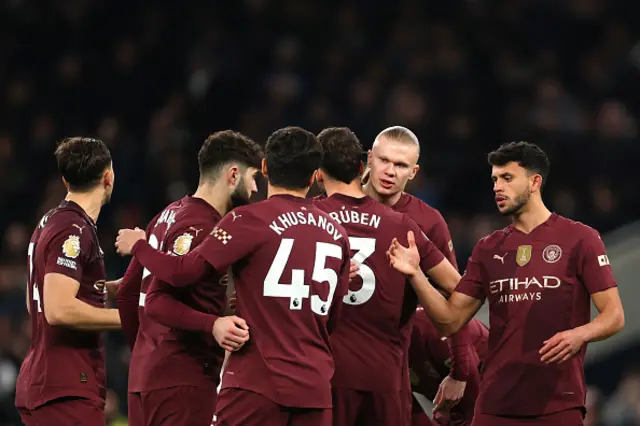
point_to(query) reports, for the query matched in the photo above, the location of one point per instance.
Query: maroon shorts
(571, 417)
(134, 402)
(246, 408)
(353, 407)
(68, 411)
(179, 406)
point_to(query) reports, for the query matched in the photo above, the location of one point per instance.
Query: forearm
(460, 352)
(166, 310)
(178, 271)
(608, 323)
(82, 316)
(439, 309)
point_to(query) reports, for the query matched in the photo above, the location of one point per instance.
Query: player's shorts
(353, 407)
(134, 402)
(64, 412)
(179, 406)
(571, 417)
(246, 408)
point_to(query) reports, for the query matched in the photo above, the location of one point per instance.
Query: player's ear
(108, 177)
(65, 183)
(369, 156)
(264, 168)
(313, 178)
(414, 172)
(319, 176)
(233, 175)
(361, 169)
(536, 182)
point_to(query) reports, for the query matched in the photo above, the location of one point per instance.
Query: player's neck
(387, 201)
(215, 196)
(352, 189)
(276, 190)
(534, 215)
(90, 202)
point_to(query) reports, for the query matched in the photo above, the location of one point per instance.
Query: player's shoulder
(62, 219)
(420, 210)
(576, 228)
(493, 239)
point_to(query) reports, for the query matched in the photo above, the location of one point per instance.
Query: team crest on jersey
(71, 247)
(182, 244)
(221, 235)
(524, 255)
(552, 253)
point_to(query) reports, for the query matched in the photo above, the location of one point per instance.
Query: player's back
(290, 268)
(379, 304)
(162, 356)
(61, 361)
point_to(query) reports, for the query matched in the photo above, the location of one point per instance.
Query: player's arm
(449, 316)
(596, 275)
(128, 299)
(342, 288)
(178, 271)
(61, 307)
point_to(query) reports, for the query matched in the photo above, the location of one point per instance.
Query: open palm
(404, 259)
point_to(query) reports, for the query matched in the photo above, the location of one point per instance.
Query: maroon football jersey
(430, 221)
(290, 265)
(61, 361)
(538, 284)
(164, 357)
(381, 302)
(430, 363)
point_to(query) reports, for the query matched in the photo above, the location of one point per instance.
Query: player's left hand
(561, 347)
(127, 238)
(450, 392)
(112, 286)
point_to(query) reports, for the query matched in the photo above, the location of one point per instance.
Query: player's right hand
(405, 259)
(231, 332)
(353, 270)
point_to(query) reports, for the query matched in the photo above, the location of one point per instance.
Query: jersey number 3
(297, 290)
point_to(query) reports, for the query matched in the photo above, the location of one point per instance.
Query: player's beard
(239, 196)
(519, 202)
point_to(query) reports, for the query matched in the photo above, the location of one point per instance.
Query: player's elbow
(153, 308)
(57, 314)
(450, 329)
(618, 320)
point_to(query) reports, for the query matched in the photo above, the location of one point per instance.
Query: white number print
(153, 242)
(364, 248)
(35, 294)
(297, 290)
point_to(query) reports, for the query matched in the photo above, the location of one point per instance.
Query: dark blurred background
(152, 79)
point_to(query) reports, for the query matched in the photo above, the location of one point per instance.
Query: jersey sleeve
(232, 239)
(472, 283)
(128, 299)
(593, 263)
(441, 237)
(342, 288)
(430, 256)
(68, 251)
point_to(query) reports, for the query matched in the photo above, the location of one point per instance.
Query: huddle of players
(316, 349)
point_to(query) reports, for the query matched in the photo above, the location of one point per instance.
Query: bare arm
(610, 319)
(61, 307)
(449, 316)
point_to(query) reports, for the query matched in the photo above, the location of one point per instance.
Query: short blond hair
(400, 134)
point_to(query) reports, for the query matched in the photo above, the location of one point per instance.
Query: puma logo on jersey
(80, 228)
(235, 215)
(501, 258)
(195, 230)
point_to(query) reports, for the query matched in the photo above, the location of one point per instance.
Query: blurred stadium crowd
(152, 79)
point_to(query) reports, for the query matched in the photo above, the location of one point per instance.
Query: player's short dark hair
(343, 153)
(526, 154)
(226, 147)
(292, 154)
(82, 162)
